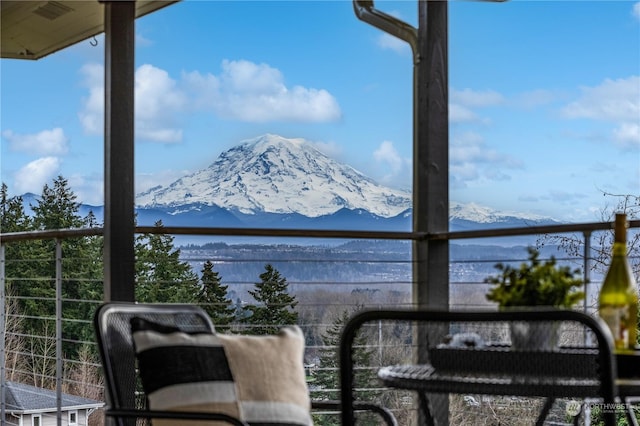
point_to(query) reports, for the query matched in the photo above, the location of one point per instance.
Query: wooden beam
(119, 218)
(431, 157)
(431, 178)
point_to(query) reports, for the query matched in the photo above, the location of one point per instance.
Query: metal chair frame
(605, 359)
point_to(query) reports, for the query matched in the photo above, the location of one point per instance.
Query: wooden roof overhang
(34, 29)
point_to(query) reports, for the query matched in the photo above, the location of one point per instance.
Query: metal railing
(364, 292)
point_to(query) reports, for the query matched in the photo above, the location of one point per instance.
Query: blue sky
(544, 98)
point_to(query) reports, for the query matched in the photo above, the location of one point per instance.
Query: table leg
(631, 416)
(548, 403)
(424, 403)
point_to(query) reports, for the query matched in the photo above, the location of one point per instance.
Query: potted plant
(535, 284)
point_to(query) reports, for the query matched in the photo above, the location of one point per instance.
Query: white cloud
(461, 114)
(475, 98)
(462, 103)
(397, 170)
(471, 159)
(33, 176)
(158, 101)
(88, 189)
(559, 196)
(535, 98)
(46, 142)
(467, 147)
(462, 173)
(636, 10)
(243, 91)
(142, 41)
(206, 88)
(256, 93)
(330, 149)
(627, 135)
(92, 115)
(613, 101)
(388, 42)
(387, 153)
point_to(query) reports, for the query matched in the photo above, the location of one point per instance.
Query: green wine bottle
(618, 301)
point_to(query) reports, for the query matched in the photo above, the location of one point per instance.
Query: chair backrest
(113, 332)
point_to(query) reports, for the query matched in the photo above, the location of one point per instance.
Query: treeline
(30, 271)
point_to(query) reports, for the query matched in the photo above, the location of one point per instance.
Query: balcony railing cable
(585, 229)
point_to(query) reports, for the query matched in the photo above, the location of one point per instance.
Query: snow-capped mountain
(271, 181)
(274, 182)
(272, 174)
(482, 214)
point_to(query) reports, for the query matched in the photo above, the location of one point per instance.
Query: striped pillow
(183, 372)
(259, 379)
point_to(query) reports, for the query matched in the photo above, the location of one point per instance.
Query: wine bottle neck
(620, 229)
(619, 248)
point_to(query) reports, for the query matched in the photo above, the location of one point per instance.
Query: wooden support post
(119, 217)
(431, 178)
(431, 157)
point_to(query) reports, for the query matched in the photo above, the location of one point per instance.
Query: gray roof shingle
(21, 398)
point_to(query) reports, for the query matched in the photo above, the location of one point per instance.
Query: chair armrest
(178, 415)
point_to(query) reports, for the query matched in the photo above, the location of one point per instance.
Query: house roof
(34, 29)
(21, 398)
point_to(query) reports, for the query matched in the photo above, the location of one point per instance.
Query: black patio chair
(460, 357)
(125, 401)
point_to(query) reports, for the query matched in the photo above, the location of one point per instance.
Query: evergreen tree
(12, 215)
(160, 275)
(214, 299)
(327, 379)
(82, 271)
(14, 219)
(57, 207)
(274, 305)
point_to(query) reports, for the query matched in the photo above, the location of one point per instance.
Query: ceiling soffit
(35, 29)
